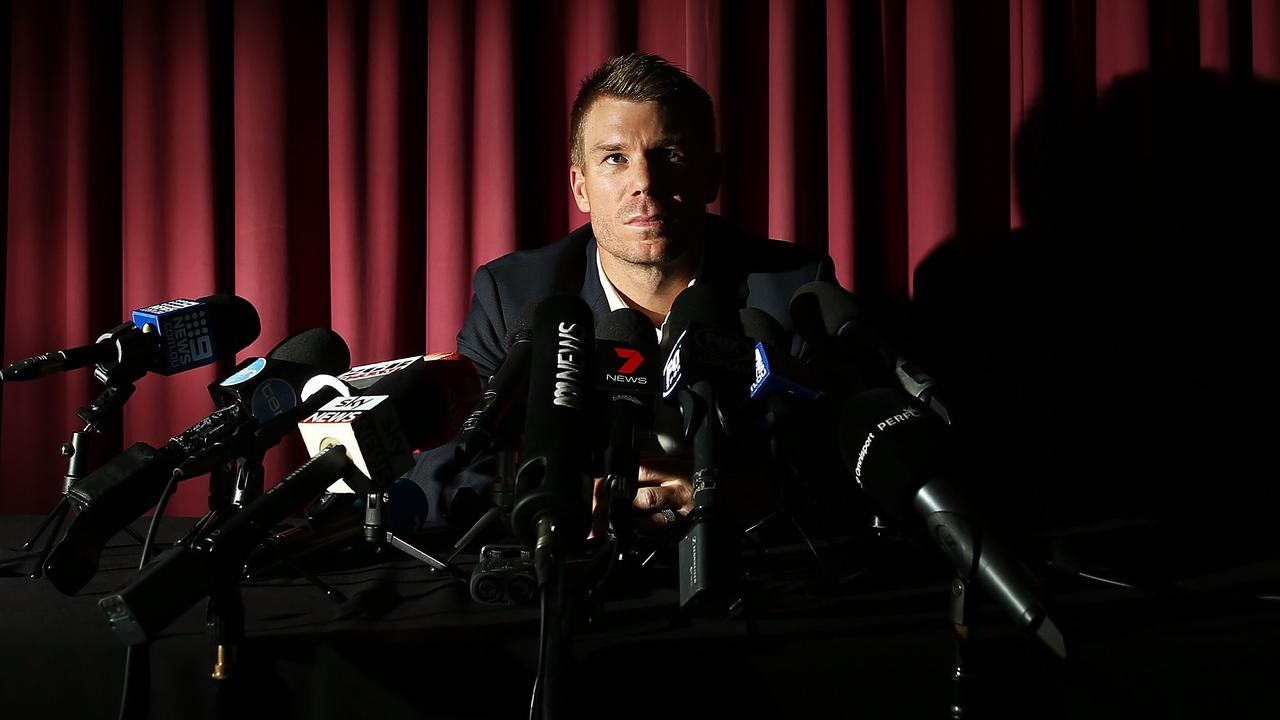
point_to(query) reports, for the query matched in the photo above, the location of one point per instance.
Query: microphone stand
(709, 573)
(555, 654)
(84, 453)
(249, 480)
(377, 534)
(503, 491)
(962, 603)
(224, 620)
(224, 480)
(248, 485)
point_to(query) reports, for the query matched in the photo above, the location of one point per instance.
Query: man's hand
(663, 486)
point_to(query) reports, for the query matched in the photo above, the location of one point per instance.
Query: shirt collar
(615, 300)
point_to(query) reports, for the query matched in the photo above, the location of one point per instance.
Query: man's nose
(640, 177)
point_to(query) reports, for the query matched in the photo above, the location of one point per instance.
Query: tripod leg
(822, 567)
(133, 534)
(58, 511)
(489, 516)
(414, 552)
(331, 592)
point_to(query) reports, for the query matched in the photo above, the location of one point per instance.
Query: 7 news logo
(631, 359)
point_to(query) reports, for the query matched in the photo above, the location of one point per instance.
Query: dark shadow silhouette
(1108, 362)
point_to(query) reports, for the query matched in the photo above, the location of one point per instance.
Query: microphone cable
(137, 658)
(536, 695)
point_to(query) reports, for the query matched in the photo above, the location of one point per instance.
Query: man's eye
(615, 159)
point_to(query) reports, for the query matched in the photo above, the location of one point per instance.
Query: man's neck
(651, 289)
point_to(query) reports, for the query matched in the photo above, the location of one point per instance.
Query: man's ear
(715, 166)
(578, 186)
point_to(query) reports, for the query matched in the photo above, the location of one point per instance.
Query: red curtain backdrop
(350, 163)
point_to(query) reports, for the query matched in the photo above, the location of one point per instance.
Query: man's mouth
(653, 220)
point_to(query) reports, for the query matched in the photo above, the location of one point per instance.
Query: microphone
(449, 380)
(706, 353)
(167, 338)
(780, 380)
(399, 412)
(827, 316)
(271, 385)
(180, 576)
(266, 387)
(628, 376)
(501, 405)
(776, 371)
(554, 480)
(801, 419)
(406, 405)
(896, 450)
(120, 491)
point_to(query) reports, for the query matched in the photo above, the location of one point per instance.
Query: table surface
(872, 639)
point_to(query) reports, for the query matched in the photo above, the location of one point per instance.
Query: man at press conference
(644, 165)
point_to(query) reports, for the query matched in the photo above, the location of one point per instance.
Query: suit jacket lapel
(721, 266)
(591, 291)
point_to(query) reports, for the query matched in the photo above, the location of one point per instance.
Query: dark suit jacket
(759, 273)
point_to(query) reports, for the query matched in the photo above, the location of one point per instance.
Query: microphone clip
(134, 350)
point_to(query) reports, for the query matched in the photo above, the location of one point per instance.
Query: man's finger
(674, 495)
(599, 509)
(656, 522)
(654, 497)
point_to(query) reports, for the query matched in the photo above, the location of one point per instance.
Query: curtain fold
(63, 272)
(350, 163)
(167, 193)
(450, 166)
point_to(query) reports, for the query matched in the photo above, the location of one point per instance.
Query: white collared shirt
(615, 300)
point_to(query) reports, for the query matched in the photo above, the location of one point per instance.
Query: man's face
(644, 180)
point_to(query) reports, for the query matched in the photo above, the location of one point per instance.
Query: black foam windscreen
(496, 415)
(555, 476)
(760, 325)
(421, 401)
(559, 373)
(699, 304)
(892, 445)
(822, 310)
(234, 321)
(320, 348)
(838, 330)
(626, 325)
(272, 385)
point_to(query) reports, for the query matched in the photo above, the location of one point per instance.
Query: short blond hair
(641, 77)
